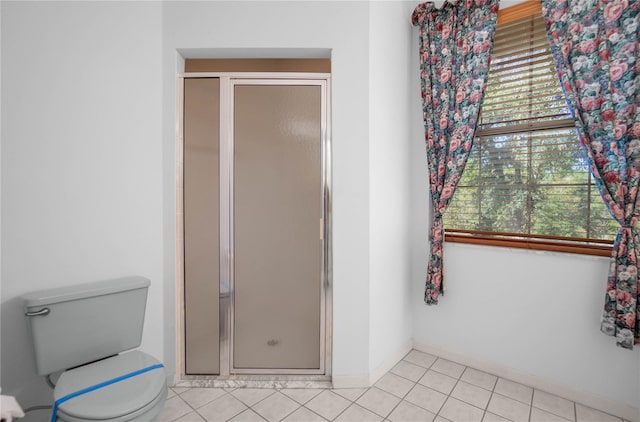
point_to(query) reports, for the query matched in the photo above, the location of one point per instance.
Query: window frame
(584, 246)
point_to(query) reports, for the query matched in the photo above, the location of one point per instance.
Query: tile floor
(421, 387)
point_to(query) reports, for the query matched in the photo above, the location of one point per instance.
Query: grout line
(198, 413)
(315, 413)
(393, 395)
(357, 398)
(405, 394)
(509, 398)
(343, 410)
(256, 413)
(530, 403)
(402, 376)
(261, 400)
(415, 383)
(530, 411)
(290, 413)
(493, 391)
(311, 410)
(449, 395)
(355, 404)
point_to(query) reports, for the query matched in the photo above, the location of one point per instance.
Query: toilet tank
(74, 325)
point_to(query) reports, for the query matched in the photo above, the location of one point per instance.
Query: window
(527, 183)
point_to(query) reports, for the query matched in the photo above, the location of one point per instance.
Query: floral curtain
(595, 48)
(455, 49)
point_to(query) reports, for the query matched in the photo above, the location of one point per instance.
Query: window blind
(526, 173)
(523, 91)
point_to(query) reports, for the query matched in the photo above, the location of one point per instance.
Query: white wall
(531, 312)
(537, 313)
(88, 160)
(88, 176)
(200, 28)
(390, 73)
(81, 162)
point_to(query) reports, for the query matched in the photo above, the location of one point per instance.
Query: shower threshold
(255, 381)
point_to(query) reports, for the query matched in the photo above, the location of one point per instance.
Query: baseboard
(365, 381)
(350, 381)
(390, 362)
(622, 410)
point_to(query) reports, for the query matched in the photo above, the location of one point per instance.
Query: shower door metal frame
(226, 297)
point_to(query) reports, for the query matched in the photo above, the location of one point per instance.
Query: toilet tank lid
(81, 291)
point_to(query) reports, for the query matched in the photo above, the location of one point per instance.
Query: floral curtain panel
(596, 52)
(455, 49)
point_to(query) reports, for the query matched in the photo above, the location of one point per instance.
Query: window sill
(534, 242)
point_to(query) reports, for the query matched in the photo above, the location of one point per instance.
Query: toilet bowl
(137, 398)
(92, 329)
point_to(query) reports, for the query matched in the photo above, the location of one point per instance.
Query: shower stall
(254, 223)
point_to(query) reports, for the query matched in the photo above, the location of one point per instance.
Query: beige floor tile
(490, 417)
(247, 416)
(554, 404)
(479, 378)
(352, 394)
(303, 415)
(538, 415)
(427, 401)
(420, 358)
(198, 397)
(437, 381)
(378, 401)
(328, 404)
(448, 368)
(301, 395)
(426, 398)
(408, 370)
(222, 409)
(174, 408)
(355, 413)
(587, 414)
(508, 408)
(471, 394)
(251, 396)
(191, 417)
(407, 412)
(395, 384)
(458, 411)
(276, 407)
(170, 393)
(514, 390)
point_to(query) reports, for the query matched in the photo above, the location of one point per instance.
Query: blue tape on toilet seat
(54, 416)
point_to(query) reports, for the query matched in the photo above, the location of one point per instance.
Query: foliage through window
(527, 175)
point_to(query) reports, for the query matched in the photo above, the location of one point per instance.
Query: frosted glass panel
(277, 200)
(201, 223)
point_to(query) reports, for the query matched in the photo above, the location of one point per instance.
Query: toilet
(88, 331)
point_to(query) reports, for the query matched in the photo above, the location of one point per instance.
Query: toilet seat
(147, 414)
(125, 400)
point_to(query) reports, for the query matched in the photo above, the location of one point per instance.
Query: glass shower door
(254, 196)
(277, 226)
